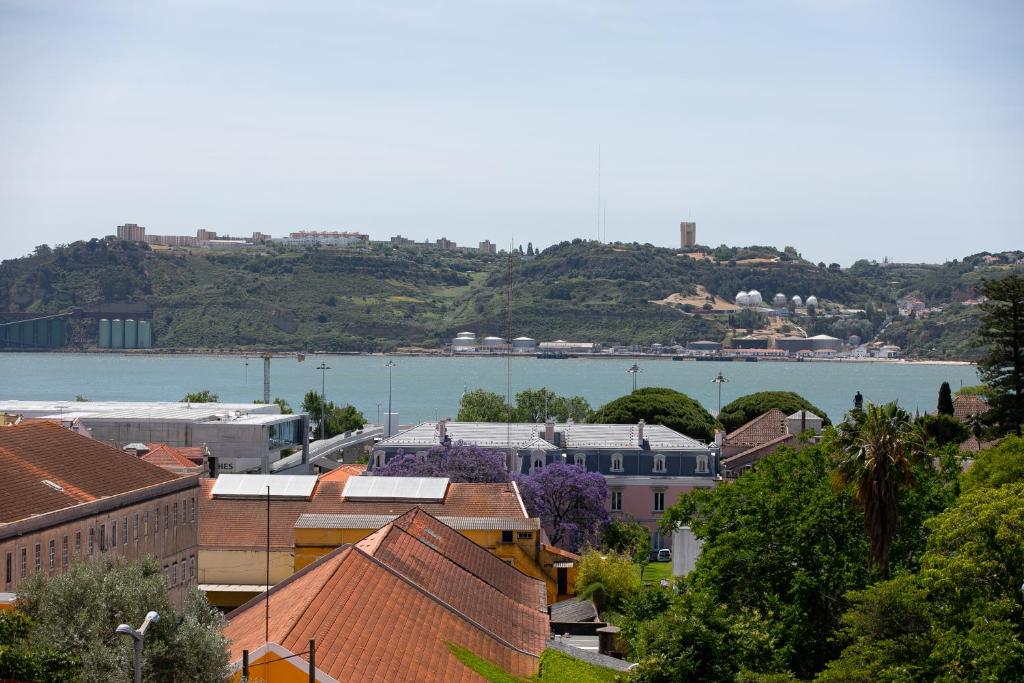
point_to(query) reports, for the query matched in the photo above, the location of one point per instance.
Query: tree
(607, 579)
(76, 613)
(628, 537)
(24, 657)
(281, 404)
(945, 406)
(531, 405)
(204, 396)
(662, 406)
(460, 462)
(997, 466)
(1002, 368)
(480, 405)
(336, 420)
(745, 408)
(877, 447)
(569, 501)
(943, 429)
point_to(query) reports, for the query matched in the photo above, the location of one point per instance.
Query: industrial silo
(104, 335)
(131, 334)
(117, 333)
(41, 332)
(145, 334)
(56, 333)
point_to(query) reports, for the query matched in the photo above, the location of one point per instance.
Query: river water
(426, 387)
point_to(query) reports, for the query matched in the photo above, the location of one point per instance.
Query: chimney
(640, 432)
(442, 429)
(719, 437)
(549, 430)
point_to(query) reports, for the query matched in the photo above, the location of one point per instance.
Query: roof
(370, 623)
(241, 523)
(170, 458)
(415, 556)
(121, 411)
(78, 470)
(762, 429)
(658, 437)
(973, 444)
(573, 610)
(965, 405)
(288, 486)
(420, 489)
(329, 521)
(589, 656)
(342, 472)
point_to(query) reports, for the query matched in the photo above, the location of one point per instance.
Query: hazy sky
(849, 129)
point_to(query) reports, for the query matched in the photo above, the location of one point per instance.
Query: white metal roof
(427, 489)
(483, 434)
(163, 411)
(255, 485)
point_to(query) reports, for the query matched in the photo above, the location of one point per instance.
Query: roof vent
(53, 485)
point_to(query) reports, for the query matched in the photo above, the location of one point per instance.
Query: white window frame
(616, 497)
(659, 497)
(659, 463)
(617, 457)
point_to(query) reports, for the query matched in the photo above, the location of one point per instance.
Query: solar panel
(255, 485)
(396, 488)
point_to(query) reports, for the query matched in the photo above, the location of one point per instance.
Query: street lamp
(720, 380)
(633, 370)
(138, 636)
(389, 365)
(323, 368)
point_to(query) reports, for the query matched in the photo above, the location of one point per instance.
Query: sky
(848, 129)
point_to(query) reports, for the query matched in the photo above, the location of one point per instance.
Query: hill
(383, 297)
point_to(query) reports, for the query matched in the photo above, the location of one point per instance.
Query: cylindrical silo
(117, 333)
(104, 336)
(56, 333)
(145, 334)
(41, 332)
(131, 334)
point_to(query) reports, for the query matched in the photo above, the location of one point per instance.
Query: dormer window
(617, 462)
(580, 459)
(659, 463)
(378, 460)
(702, 464)
(538, 463)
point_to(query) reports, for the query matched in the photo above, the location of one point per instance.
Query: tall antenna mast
(598, 192)
(508, 370)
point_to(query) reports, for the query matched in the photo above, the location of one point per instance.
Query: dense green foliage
(945, 405)
(656, 405)
(746, 408)
(384, 297)
(77, 612)
(333, 419)
(1001, 464)
(628, 537)
(608, 579)
(203, 396)
(26, 657)
(1002, 368)
(531, 405)
(555, 667)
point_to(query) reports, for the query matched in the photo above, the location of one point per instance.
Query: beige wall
(174, 545)
(248, 567)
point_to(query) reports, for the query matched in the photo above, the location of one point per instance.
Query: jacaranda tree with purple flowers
(459, 461)
(569, 501)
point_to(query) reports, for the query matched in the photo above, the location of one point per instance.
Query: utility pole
(389, 365)
(634, 369)
(720, 380)
(323, 368)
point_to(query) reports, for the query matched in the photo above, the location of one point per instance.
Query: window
(506, 536)
(39, 557)
(103, 538)
(617, 462)
(191, 566)
(64, 552)
(145, 524)
(9, 568)
(167, 574)
(525, 535)
(156, 520)
(135, 527)
(78, 544)
(92, 541)
(538, 463)
(702, 464)
(167, 518)
(184, 512)
(659, 501)
(52, 555)
(659, 463)
(23, 565)
(174, 574)
(378, 460)
(175, 513)
(124, 531)
(193, 509)
(616, 501)
(113, 533)
(580, 459)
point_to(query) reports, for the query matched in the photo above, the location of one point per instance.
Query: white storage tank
(797, 301)
(464, 341)
(493, 343)
(812, 301)
(779, 300)
(754, 297)
(742, 299)
(524, 345)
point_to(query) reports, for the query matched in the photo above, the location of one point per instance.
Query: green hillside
(383, 298)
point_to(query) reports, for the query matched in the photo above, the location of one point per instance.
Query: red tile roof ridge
(555, 550)
(169, 452)
(767, 416)
(373, 541)
(754, 449)
(351, 469)
(72, 491)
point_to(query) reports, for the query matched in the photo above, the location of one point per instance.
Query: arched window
(378, 459)
(538, 463)
(659, 463)
(616, 462)
(580, 459)
(702, 464)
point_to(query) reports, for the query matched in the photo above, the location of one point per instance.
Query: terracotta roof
(170, 458)
(763, 428)
(241, 523)
(370, 624)
(555, 550)
(417, 559)
(974, 445)
(467, 554)
(341, 473)
(755, 453)
(78, 468)
(965, 405)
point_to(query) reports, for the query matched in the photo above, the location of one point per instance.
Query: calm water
(430, 387)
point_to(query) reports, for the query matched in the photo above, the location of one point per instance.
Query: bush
(746, 408)
(661, 406)
(608, 580)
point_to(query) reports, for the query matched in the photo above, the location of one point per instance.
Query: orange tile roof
(342, 472)
(241, 523)
(418, 560)
(370, 624)
(467, 554)
(170, 458)
(965, 405)
(84, 468)
(762, 429)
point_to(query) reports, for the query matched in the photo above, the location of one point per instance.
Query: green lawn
(555, 667)
(656, 571)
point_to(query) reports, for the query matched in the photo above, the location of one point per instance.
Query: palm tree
(878, 445)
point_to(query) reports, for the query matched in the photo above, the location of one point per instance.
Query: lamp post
(720, 380)
(323, 368)
(138, 636)
(633, 370)
(389, 365)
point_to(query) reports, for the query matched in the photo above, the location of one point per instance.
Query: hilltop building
(647, 467)
(69, 498)
(687, 234)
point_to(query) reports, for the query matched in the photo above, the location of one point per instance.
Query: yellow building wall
(279, 671)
